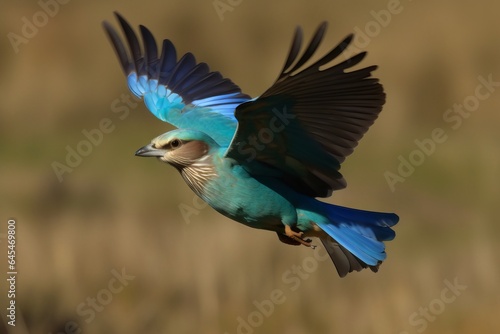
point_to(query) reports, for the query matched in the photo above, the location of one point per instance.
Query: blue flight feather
(183, 93)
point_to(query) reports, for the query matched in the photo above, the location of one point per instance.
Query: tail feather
(343, 260)
(356, 237)
(369, 223)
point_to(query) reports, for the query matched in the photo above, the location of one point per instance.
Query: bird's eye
(175, 143)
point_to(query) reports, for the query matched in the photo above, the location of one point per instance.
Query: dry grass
(115, 211)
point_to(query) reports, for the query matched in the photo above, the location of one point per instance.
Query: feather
(182, 92)
(330, 109)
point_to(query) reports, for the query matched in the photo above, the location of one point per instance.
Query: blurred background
(121, 245)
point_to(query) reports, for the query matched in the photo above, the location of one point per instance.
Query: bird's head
(180, 148)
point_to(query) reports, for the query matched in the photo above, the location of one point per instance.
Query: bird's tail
(355, 237)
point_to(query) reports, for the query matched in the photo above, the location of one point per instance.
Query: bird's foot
(297, 236)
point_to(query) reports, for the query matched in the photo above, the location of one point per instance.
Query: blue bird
(263, 161)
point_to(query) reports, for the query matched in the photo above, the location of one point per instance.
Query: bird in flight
(263, 161)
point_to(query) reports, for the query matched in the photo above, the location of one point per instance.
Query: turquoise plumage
(263, 161)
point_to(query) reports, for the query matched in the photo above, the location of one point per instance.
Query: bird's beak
(149, 151)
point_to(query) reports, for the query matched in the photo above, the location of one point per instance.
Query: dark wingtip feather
(337, 51)
(294, 52)
(119, 48)
(346, 41)
(151, 51)
(168, 60)
(312, 47)
(351, 62)
(323, 25)
(294, 49)
(133, 43)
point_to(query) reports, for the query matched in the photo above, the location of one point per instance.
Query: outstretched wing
(310, 119)
(181, 92)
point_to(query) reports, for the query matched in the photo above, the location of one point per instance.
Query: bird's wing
(181, 92)
(310, 119)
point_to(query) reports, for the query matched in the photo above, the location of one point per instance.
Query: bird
(266, 161)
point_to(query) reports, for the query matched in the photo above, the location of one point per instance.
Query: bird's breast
(237, 195)
(197, 176)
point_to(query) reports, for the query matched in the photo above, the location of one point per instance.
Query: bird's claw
(297, 236)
